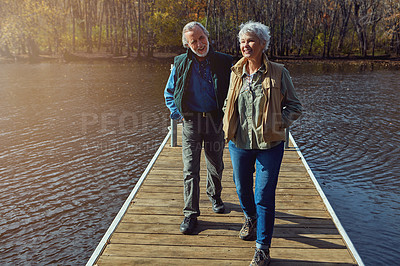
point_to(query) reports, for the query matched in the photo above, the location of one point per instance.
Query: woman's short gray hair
(257, 28)
(189, 27)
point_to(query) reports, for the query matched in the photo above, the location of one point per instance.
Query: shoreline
(168, 57)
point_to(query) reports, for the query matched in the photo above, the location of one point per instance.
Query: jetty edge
(328, 206)
(105, 240)
(320, 241)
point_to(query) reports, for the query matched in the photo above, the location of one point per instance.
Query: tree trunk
(139, 30)
(101, 28)
(73, 34)
(346, 12)
(331, 33)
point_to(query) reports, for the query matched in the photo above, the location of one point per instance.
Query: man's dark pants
(198, 130)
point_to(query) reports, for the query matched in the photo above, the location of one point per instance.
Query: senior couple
(247, 105)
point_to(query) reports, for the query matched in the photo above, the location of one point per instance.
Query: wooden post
(287, 138)
(174, 132)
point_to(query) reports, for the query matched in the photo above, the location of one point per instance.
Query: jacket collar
(238, 67)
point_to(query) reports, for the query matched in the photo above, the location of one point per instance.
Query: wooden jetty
(146, 230)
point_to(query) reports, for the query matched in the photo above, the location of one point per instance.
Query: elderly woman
(261, 103)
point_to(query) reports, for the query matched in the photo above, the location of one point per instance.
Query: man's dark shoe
(217, 205)
(249, 229)
(188, 225)
(261, 258)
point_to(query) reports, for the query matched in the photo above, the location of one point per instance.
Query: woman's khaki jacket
(274, 122)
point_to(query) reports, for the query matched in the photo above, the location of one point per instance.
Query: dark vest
(220, 68)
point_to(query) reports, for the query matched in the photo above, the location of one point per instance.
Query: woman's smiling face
(251, 46)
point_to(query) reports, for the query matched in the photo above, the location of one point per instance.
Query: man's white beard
(202, 55)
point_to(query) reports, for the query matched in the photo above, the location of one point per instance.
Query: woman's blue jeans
(259, 203)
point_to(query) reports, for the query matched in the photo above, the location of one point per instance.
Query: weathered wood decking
(148, 234)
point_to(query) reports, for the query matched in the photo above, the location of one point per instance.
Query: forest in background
(300, 28)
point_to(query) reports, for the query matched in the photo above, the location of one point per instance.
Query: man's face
(197, 41)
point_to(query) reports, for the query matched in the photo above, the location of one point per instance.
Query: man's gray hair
(257, 28)
(189, 27)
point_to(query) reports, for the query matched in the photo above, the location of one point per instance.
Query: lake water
(75, 138)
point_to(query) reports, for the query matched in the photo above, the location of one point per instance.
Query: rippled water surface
(350, 136)
(75, 138)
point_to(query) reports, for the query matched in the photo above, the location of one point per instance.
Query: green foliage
(319, 44)
(167, 29)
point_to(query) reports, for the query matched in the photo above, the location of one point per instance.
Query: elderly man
(195, 94)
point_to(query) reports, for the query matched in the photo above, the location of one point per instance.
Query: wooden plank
(175, 158)
(289, 167)
(222, 229)
(167, 182)
(172, 171)
(114, 260)
(226, 178)
(174, 219)
(231, 241)
(225, 253)
(150, 188)
(227, 197)
(292, 213)
(280, 204)
(124, 260)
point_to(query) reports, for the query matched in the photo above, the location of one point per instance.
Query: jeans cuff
(251, 217)
(262, 246)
